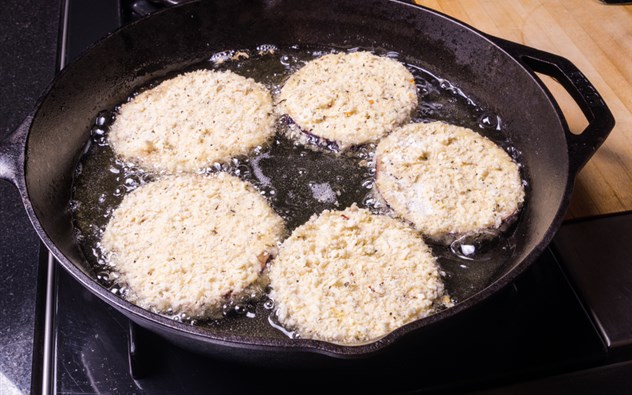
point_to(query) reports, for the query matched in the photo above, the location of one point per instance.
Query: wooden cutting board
(597, 38)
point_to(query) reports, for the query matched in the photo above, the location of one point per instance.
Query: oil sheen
(298, 181)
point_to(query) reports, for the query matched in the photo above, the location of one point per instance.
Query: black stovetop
(555, 330)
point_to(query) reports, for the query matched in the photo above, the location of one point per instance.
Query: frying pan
(40, 156)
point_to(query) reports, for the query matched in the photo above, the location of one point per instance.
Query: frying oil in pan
(297, 181)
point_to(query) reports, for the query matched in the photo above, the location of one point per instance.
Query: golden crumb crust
(350, 98)
(192, 121)
(352, 276)
(187, 244)
(447, 179)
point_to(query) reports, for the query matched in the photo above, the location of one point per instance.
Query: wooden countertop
(597, 38)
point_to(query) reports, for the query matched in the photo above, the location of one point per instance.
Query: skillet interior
(176, 37)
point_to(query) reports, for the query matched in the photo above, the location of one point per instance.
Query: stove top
(561, 327)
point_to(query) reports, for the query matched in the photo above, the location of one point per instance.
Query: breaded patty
(190, 243)
(192, 121)
(447, 179)
(349, 98)
(352, 276)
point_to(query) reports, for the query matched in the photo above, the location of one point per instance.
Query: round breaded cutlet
(187, 244)
(447, 180)
(352, 276)
(192, 121)
(349, 98)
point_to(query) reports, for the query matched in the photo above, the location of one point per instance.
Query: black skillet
(41, 155)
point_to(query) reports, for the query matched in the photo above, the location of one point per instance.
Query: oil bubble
(131, 183)
(367, 183)
(484, 246)
(285, 60)
(98, 134)
(268, 304)
(104, 118)
(489, 122)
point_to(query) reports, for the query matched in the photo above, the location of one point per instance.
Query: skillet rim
(139, 315)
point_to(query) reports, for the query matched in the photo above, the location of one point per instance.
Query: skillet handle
(12, 152)
(600, 120)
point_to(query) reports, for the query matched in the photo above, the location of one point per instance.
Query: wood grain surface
(597, 38)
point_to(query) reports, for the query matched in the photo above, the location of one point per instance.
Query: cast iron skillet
(40, 156)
